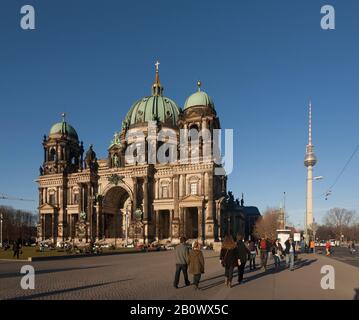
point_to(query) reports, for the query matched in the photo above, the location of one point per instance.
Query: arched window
(52, 156)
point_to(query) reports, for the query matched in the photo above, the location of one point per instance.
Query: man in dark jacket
(289, 253)
(181, 253)
(243, 252)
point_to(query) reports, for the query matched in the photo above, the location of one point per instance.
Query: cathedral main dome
(154, 107)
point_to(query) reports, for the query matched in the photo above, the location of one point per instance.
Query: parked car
(332, 242)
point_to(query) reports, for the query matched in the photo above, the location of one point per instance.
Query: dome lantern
(155, 107)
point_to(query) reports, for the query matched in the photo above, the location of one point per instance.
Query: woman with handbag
(229, 259)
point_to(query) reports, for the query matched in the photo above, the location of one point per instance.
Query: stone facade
(89, 199)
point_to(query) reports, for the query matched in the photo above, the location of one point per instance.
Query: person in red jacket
(264, 248)
(327, 247)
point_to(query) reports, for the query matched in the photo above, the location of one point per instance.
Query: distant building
(251, 215)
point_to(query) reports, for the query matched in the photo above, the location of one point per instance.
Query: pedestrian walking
(312, 246)
(242, 254)
(181, 255)
(353, 247)
(229, 259)
(253, 251)
(289, 253)
(16, 248)
(302, 246)
(327, 248)
(196, 263)
(277, 251)
(264, 247)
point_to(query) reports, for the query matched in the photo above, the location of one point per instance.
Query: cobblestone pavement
(150, 276)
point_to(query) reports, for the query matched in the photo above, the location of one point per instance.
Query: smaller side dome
(199, 98)
(63, 128)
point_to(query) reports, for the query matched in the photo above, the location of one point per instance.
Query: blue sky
(260, 61)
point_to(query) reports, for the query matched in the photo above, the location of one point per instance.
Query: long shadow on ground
(51, 293)
(17, 274)
(271, 270)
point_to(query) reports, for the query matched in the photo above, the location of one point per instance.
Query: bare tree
(339, 220)
(18, 224)
(267, 225)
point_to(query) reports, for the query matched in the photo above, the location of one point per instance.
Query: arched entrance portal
(116, 204)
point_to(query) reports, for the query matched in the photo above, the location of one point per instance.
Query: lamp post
(1, 219)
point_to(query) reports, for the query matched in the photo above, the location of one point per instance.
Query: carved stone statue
(90, 159)
(124, 125)
(116, 161)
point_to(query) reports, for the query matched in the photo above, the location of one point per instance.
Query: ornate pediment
(47, 208)
(191, 200)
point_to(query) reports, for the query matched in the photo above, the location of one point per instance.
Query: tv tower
(310, 161)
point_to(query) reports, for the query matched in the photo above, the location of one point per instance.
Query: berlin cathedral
(83, 198)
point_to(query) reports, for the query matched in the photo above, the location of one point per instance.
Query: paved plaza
(150, 276)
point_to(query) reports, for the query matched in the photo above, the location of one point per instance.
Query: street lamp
(1, 219)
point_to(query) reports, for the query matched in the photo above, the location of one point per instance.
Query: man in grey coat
(181, 254)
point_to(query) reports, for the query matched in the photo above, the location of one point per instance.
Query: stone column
(42, 223)
(219, 221)
(90, 210)
(145, 210)
(156, 189)
(170, 224)
(175, 214)
(202, 184)
(200, 223)
(181, 186)
(209, 212)
(53, 226)
(157, 214)
(145, 199)
(134, 203)
(97, 208)
(181, 226)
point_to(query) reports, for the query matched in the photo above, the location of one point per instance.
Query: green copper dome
(150, 108)
(154, 107)
(199, 98)
(64, 128)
